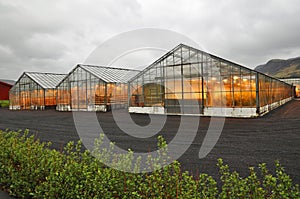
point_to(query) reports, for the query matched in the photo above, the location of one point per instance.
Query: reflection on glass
(81, 90)
(207, 80)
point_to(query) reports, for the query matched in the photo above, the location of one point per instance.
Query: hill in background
(281, 68)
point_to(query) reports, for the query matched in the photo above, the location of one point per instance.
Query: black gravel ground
(243, 142)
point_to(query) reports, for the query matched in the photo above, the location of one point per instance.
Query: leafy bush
(4, 103)
(30, 169)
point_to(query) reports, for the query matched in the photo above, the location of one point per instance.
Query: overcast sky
(53, 36)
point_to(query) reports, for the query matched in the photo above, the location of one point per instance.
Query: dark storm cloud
(53, 36)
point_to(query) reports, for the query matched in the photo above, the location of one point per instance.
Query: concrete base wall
(148, 110)
(215, 111)
(265, 109)
(223, 112)
(102, 108)
(14, 107)
(63, 108)
(230, 112)
(17, 107)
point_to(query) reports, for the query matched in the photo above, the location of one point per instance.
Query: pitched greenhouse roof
(46, 80)
(110, 74)
(180, 55)
(184, 54)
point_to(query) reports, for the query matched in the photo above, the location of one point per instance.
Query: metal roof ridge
(109, 67)
(45, 73)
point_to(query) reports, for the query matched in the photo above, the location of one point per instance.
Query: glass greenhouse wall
(190, 81)
(34, 91)
(296, 83)
(94, 88)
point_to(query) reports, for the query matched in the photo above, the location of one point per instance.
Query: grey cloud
(250, 31)
(54, 35)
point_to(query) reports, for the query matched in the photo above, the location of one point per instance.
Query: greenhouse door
(172, 106)
(192, 106)
(74, 96)
(183, 106)
(78, 95)
(25, 100)
(82, 95)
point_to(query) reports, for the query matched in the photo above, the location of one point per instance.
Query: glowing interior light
(235, 77)
(225, 80)
(213, 78)
(245, 80)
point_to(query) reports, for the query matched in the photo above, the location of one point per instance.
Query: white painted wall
(265, 109)
(216, 111)
(230, 112)
(147, 110)
(63, 107)
(17, 107)
(225, 112)
(101, 108)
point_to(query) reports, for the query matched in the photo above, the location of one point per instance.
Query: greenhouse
(189, 81)
(34, 91)
(296, 83)
(94, 88)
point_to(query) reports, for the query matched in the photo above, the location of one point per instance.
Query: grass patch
(4, 103)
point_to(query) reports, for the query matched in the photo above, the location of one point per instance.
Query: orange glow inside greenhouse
(183, 81)
(190, 81)
(30, 91)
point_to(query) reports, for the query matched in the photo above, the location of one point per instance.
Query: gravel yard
(243, 142)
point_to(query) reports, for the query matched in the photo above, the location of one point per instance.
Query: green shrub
(4, 103)
(30, 169)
